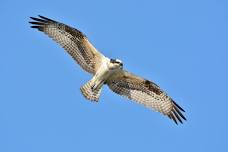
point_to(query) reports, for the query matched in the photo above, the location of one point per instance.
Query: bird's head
(116, 64)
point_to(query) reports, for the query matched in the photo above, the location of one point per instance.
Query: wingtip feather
(178, 106)
(177, 116)
(179, 113)
(45, 18)
(173, 118)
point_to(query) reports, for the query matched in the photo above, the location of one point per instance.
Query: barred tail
(90, 93)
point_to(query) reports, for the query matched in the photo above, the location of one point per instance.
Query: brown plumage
(72, 40)
(147, 93)
(107, 71)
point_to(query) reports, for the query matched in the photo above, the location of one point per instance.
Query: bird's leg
(99, 78)
(93, 87)
(97, 84)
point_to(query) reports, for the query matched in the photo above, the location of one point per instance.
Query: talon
(92, 87)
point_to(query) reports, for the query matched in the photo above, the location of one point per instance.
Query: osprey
(107, 71)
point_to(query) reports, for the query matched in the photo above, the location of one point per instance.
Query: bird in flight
(107, 71)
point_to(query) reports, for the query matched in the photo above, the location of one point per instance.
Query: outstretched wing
(145, 92)
(72, 40)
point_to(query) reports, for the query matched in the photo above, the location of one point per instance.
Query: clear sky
(180, 45)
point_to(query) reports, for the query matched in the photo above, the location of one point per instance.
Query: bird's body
(107, 71)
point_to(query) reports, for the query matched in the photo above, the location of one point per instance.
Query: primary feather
(145, 92)
(107, 71)
(72, 40)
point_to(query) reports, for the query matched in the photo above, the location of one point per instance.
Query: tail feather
(90, 93)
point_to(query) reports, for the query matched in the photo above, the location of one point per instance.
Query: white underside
(102, 74)
(92, 89)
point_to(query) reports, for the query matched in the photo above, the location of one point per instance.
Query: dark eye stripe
(114, 61)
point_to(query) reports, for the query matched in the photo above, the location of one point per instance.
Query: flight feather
(72, 40)
(147, 93)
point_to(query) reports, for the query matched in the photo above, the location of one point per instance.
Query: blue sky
(180, 45)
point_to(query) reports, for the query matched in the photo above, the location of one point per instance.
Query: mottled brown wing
(72, 40)
(145, 92)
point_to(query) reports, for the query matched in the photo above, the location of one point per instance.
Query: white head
(116, 64)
